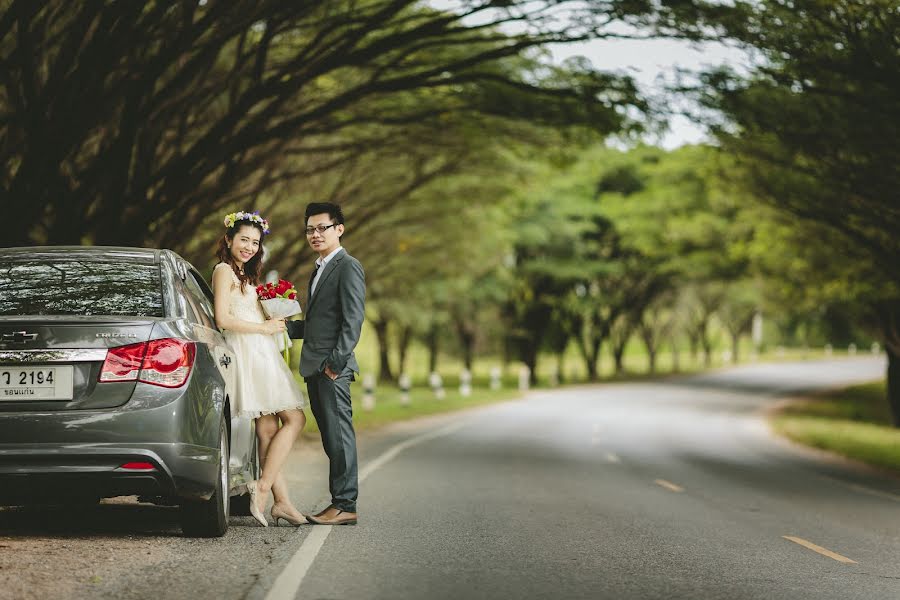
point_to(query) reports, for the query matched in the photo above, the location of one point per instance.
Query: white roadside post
(756, 334)
(829, 350)
(524, 378)
(876, 348)
(465, 383)
(437, 385)
(496, 383)
(368, 400)
(851, 349)
(405, 385)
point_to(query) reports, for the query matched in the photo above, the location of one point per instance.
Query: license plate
(36, 383)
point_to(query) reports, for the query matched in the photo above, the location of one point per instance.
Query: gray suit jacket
(334, 318)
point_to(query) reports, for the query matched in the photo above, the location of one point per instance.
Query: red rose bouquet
(279, 301)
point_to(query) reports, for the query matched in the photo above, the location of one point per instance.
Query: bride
(267, 390)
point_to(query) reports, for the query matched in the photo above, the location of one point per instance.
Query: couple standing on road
(335, 310)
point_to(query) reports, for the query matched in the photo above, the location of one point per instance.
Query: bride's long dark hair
(253, 267)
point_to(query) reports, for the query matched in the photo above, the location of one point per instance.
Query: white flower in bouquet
(279, 301)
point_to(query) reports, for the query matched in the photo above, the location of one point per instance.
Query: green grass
(422, 402)
(853, 422)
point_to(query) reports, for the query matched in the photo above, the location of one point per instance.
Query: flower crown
(243, 215)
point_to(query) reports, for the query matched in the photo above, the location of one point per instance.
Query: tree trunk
(589, 362)
(650, 342)
(893, 385)
(468, 353)
(700, 336)
(676, 356)
(592, 359)
(560, 361)
(405, 339)
(735, 342)
(432, 342)
(467, 342)
(694, 344)
(618, 356)
(592, 370)
(530, 358)
(384, 368)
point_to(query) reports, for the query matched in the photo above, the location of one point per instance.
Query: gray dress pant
(330, 404)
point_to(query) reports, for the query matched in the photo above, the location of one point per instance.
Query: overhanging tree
(115, 116)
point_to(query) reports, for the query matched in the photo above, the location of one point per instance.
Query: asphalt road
(673, 489)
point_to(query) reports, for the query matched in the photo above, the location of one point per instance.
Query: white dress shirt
(320, 266)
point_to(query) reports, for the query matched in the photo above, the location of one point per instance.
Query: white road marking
(393, 451)
(819, 549)
(873, 492)
(610, 457)
(669, 485)
(287, 584)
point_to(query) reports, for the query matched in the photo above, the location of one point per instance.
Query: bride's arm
(221, 289)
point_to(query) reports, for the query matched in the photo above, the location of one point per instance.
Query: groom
(335, 310)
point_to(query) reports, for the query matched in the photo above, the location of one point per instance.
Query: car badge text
(116, 335)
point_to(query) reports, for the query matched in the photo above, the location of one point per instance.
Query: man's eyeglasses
(320, 228)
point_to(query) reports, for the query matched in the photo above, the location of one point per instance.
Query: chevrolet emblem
(19, 337)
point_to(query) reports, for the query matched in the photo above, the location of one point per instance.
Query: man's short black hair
(334, 211)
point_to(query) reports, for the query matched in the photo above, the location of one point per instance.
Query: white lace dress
(265, 383)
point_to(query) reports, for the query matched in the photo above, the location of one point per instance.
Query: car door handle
(225, 361)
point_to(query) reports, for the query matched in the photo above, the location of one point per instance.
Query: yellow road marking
(669, 485)
(819, 549)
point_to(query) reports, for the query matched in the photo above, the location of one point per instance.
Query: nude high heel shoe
(254, 510)
(278, 514)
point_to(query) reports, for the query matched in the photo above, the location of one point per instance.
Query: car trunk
(54, 363)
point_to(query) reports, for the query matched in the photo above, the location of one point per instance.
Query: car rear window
(79, 287)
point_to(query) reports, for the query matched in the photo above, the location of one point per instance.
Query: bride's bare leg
(265, 431)
(292, 422)
(266, 428)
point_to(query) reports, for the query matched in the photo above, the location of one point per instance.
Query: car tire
(209, 518)
(240, 505)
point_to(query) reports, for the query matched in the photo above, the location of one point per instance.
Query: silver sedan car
(115, 381)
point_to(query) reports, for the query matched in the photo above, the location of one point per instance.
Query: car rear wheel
(209, 518)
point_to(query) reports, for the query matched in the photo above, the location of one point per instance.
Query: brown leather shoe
(333, 516)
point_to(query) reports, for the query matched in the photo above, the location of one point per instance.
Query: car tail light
(123, 363)
(166, 362)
